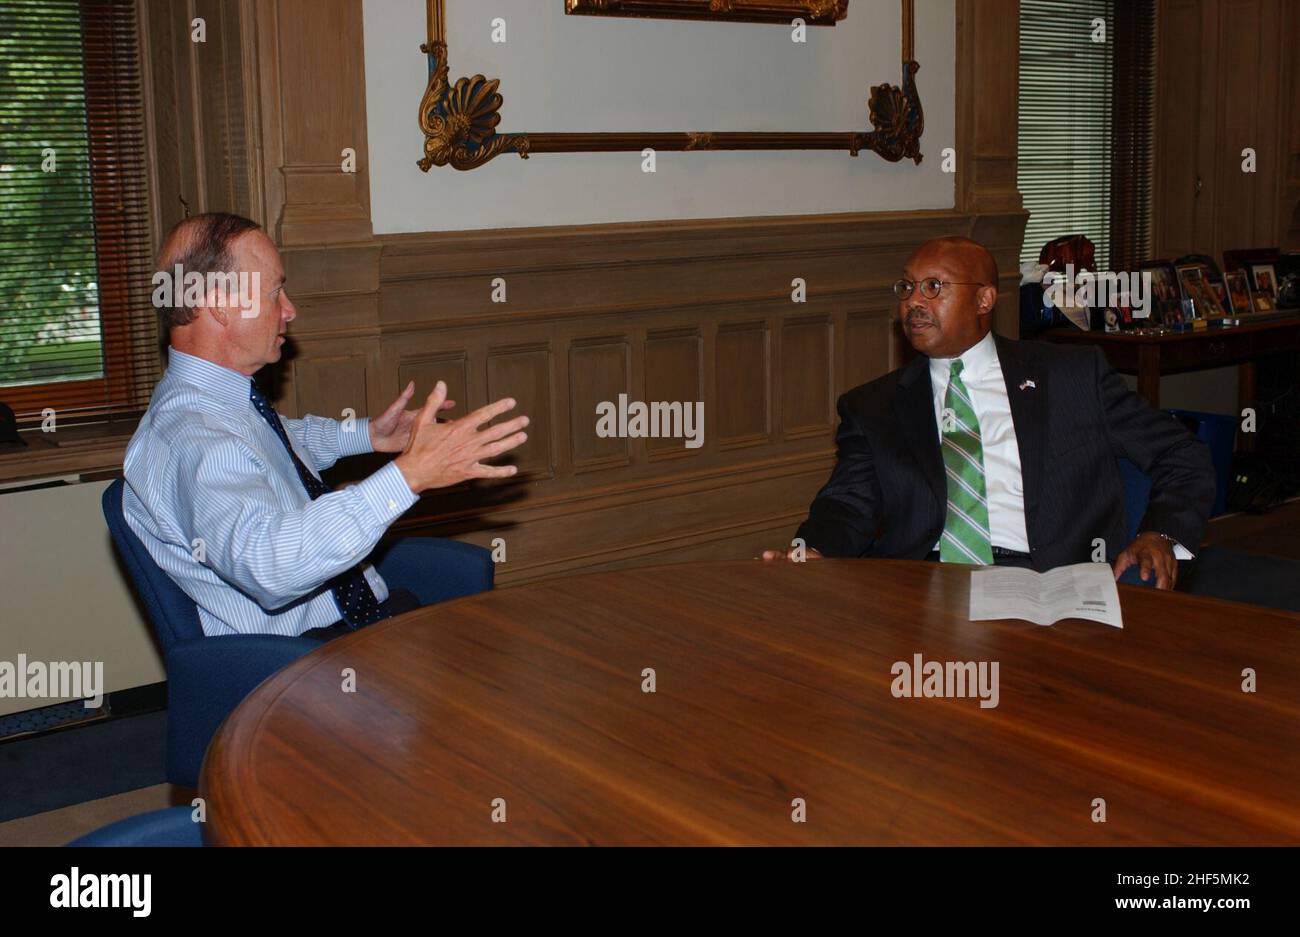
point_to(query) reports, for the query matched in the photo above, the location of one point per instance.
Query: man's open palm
(439, 455)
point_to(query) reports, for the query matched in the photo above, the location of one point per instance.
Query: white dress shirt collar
(225, 384)
(976, 362)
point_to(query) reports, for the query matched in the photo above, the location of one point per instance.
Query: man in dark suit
(988, 450)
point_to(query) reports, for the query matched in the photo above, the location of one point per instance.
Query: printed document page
(1084, 590)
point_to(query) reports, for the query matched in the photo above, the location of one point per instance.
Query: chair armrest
(435, 569)
(171, 826)
(209, 677)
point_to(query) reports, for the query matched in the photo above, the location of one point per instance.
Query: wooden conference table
(772, 683)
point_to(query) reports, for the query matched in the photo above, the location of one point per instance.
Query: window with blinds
(79, 333)
(1086, 125)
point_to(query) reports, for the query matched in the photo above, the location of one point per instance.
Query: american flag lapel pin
(1028, 383)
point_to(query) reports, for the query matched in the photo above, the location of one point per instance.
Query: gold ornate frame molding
(813, 12)
(459, 121)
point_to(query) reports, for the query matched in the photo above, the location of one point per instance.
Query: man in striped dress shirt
(226, 495)
(985, 450)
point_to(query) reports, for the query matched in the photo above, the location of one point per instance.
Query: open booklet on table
(1084, 590)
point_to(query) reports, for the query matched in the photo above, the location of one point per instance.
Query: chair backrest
(1218, 431)
(1137, 492)
(173, 614)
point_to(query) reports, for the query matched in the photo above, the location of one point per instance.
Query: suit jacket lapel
(1028, 414)
(914, 406)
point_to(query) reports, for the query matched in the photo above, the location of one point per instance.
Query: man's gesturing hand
(391, 430)
(442, 454)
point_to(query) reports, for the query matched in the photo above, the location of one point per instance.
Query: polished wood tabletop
(521, 716)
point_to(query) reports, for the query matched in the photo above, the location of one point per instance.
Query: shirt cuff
(355, 441)
(387, 493)
(1180, 552)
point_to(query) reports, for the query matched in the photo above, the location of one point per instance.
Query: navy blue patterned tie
(357, 602)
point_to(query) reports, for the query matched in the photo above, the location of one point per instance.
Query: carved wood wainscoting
(661, 311)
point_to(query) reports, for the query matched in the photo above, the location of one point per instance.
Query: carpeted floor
(56, 827)
(79, 764)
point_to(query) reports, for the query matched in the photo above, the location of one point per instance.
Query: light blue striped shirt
(217, 502)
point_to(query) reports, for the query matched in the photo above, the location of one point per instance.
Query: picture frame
(1164, 304)
(459, 118)
(1246, 259)
(1195, 283)
(1263, 278)
(1209, 266)
(1237, 284)
(1288, 288)
(812, 12)
(1212, 276)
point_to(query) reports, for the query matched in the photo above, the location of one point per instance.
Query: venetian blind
(1087, 82)
(79, 332)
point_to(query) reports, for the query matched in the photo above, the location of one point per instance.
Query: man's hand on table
(440, 454)
(808, 552)
(1152, 553)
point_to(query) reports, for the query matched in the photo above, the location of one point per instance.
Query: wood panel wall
(1226, 81)
(693, 311)
(678, 311)
(201, 117)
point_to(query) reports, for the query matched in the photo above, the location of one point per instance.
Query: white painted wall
(581, 73)
(64, 597)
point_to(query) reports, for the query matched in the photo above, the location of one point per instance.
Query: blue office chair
(208, 676)
(1216, 572)
(171, 826)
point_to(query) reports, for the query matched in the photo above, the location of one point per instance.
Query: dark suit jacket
(888, 494)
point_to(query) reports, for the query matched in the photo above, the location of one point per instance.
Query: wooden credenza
(1149, 356)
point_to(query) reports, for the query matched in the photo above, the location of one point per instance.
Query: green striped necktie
(966, 525)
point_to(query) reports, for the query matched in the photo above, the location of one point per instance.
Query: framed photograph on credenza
(1261, 266)
(1265, 280)
(1196, 284)
(1288, 286)
(1237, 283)
(1209, 268)
(1165, 302)
(1206, 289)
(1278, 283)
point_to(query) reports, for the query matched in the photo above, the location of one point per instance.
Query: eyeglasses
(930, 286)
